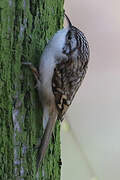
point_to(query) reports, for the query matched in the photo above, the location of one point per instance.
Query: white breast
(48, 58)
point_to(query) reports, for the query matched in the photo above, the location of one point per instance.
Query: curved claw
(33, 69)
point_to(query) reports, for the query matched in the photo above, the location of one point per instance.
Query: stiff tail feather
(45, 139)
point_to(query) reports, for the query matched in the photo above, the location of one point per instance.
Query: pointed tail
(46, 138)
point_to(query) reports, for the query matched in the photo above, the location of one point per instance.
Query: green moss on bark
(25, 28)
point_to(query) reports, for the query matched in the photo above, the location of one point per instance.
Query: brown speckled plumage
(62, 68)
(69, 73)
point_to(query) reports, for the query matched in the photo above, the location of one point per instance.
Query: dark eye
(69, 36)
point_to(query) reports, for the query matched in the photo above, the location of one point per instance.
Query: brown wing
(67, 78)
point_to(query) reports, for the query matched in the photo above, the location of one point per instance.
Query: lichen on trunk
(25, 28)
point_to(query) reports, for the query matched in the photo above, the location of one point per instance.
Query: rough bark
(25, 28)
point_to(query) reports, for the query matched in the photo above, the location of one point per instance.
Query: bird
(62, 68)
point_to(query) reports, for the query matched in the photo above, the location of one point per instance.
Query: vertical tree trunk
(25, 28)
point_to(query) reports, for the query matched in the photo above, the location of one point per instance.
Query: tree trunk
(25, 28)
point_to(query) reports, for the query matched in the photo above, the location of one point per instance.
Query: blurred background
(91, 132)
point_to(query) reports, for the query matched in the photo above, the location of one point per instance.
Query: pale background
(91, 147)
